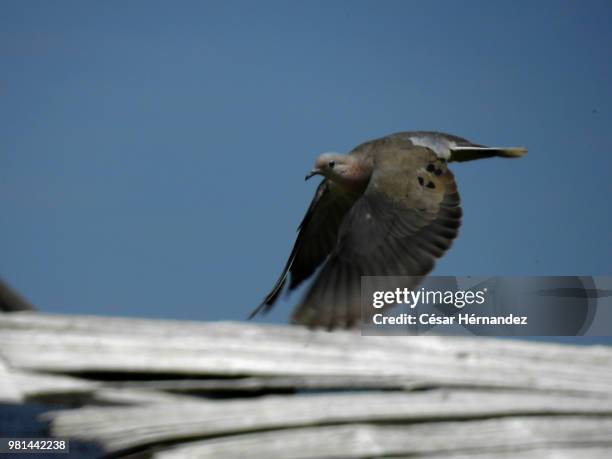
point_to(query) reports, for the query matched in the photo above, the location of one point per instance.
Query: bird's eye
(332, 164)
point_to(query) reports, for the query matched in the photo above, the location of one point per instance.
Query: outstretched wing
(406, 219)
(317, 235)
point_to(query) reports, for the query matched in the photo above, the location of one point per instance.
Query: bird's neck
(357, 176)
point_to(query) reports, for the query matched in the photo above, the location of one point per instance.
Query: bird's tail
(470, 153)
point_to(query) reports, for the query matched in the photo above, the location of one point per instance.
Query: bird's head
(349, 171)
(333, 166)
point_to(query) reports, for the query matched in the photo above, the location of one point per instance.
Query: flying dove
(388, 208)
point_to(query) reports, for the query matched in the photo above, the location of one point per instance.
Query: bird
(390, 207)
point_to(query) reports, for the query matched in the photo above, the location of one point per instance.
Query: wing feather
(317, 235)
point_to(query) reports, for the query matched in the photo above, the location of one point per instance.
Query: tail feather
(470, 153)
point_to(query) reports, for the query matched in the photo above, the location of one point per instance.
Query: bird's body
(388, 208)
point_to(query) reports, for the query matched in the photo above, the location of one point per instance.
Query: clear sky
(152, 154)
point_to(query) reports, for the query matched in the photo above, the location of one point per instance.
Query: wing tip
(270, 299)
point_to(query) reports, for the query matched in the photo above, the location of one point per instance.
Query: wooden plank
(566, 452)
(124, 428)
(110, 396)
(512, 437)
(66, 390)
(66, 344)
(39, 385)
(271, 334)
(9, 391)
(35, 384)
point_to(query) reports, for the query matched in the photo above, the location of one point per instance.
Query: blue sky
(152, 154)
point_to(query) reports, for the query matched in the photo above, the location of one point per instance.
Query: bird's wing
(316, 237)
(406, 218)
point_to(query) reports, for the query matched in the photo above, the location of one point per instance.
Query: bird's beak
(311, 173)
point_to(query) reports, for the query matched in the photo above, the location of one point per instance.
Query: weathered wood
(565, 452)
(40, 385)
(271, 334)
(512, 437)
(66, 344)
(9, 391)
(50, 388)
(33, 384)
(481, 397)
(124, 428)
